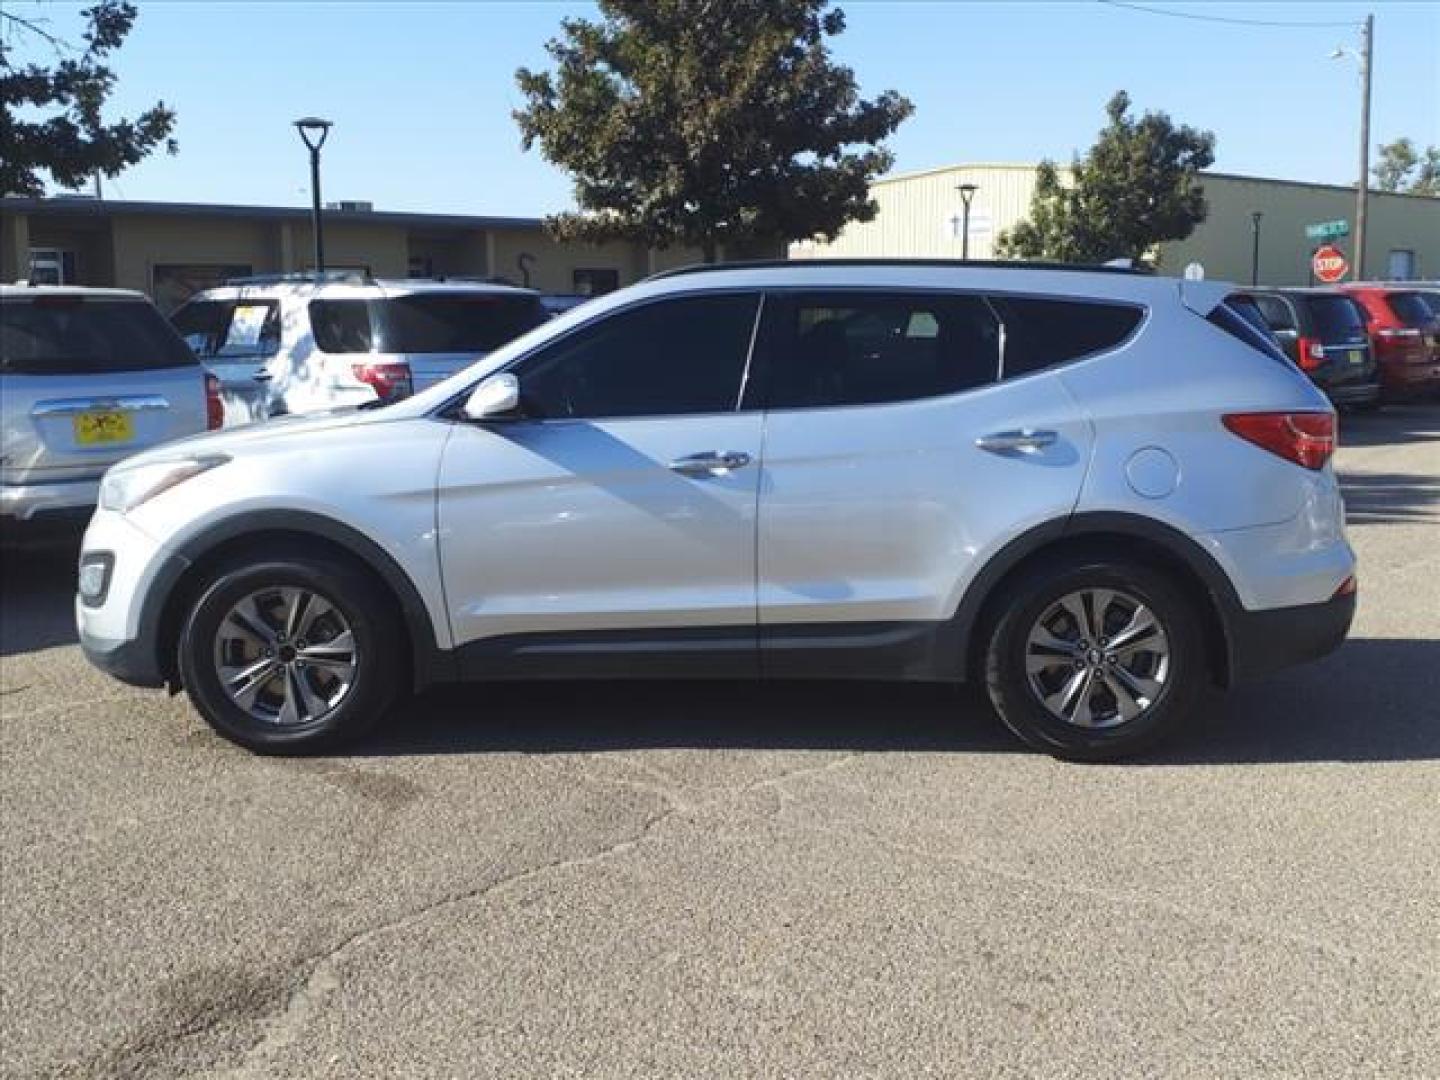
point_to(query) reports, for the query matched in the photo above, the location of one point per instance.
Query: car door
(237, 338)
(611, 523)
(897, 458)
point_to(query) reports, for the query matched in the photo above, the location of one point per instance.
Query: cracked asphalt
(738, 880)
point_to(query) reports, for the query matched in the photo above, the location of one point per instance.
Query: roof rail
(305, 277)
(995, 264)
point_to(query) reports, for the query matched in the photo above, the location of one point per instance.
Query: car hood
(238, 439)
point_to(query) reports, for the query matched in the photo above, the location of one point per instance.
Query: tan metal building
(170, 250)
(921, 216)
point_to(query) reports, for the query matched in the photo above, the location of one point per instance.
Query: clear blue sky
(421, 93)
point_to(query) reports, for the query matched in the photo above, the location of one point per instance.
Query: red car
(1405, 336)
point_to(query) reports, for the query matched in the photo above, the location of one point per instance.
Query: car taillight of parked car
(1311, 353)
(1306, 438)
(391, 382)
(214, 406)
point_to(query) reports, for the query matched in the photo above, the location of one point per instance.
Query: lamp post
(1364, 57)
(967, 192)
(313, 133)
(1255, 216)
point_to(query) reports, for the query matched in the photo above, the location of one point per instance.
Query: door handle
(1026, 440)
(710, 463)
(263, 376)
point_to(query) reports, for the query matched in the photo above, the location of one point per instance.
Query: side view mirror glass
(495, 397)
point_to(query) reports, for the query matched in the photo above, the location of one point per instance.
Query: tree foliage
(707, 122)
(1402, 167)
(51, 116)
(1137, 186)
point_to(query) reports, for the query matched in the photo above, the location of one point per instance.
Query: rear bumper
(1410, 379)
(24, 501)
(1262, 642)
(1353, 393)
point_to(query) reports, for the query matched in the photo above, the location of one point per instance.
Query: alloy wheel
(1097, 658)
(286, 656)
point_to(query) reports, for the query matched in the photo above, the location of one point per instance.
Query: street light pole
(1362, 197)
(967, 192)
(313, 133)
(1255, 216)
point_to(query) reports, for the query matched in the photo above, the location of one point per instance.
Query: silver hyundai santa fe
(1095, 490)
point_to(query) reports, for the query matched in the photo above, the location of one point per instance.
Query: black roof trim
(995, 264)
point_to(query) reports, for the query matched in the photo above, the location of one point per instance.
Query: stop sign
(1329, 264)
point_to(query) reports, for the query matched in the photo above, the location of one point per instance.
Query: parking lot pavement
(739, 880)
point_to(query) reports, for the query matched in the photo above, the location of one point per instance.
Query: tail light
(1306, 438)
(214, 407)
(391, 382)
(1312, 353)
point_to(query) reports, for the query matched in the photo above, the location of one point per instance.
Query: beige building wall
(142, 243)
(920, 214)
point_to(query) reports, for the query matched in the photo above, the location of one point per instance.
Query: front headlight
(124, 489)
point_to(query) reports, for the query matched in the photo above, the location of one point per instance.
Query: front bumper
(1262, 642)
(135, 662)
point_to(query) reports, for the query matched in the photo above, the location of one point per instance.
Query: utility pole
(1362, 195)
(1255, 216)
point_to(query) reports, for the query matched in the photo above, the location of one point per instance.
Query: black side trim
(431, 664)
(884, 651)
(710, 652)
(1263, 642)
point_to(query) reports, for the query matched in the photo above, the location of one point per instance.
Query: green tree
(707, 122)
(50, 116)
(1404, 168)
(1137, 186)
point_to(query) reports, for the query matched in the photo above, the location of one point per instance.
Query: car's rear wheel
(290, 655)
(1094, 659)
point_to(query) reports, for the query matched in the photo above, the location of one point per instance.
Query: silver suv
(1093, 491)
(87, 377)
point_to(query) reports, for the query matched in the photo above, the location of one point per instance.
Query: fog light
(95, 570)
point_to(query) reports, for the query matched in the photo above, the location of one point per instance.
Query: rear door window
(1042, 333)
(1240, 317)
(424, 322)
(829, 350)
(75, 335)
(230, 330)
(1336, 318)
(1276, 311)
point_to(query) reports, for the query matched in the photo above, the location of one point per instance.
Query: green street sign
(1327, 230)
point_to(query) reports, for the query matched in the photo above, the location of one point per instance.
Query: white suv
(305, 343)
(1095, 491)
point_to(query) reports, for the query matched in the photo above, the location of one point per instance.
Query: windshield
(424, 322)
(1337, 318)
(73, 335)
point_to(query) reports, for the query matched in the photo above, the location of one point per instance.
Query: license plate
(99, 428)
(1356, 356)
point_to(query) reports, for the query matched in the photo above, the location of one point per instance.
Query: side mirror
(495, 397)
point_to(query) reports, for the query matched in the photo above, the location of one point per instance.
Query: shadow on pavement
(1389, 498)
(1393, 425)
(1374, 700)
(37, 589)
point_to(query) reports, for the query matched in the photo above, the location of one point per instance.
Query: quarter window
(834, 350)
(667, 358)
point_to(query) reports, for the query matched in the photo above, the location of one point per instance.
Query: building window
(51, 266)
(420, 266)
(595, 281)
(171, 284)
(1402, 265)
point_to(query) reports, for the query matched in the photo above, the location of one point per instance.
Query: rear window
(72, 335)
(1411, 308)
(423, 322)
(1241, 318)
(1336, 318)
(1042, 333)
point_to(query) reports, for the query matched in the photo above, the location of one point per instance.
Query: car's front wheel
(1095, 659)
(292, 654)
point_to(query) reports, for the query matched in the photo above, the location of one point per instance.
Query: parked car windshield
(72, 335)
(424, 322)
(1337, 318)
(1411, 309)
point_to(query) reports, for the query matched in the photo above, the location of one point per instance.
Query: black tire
(373, 625)
(1020, 706)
